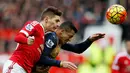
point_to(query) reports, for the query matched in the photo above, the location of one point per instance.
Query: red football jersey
(27, 55)
(121, 63)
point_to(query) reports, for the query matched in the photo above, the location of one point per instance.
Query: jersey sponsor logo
(49, 43)
(29, 27)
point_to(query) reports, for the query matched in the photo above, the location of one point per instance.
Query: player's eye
(57, 21)
(69, 40)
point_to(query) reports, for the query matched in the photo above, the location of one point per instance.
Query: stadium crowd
(13, 13)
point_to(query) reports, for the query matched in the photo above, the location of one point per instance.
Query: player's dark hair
(127, 38)
(51, 11)
(68, 25)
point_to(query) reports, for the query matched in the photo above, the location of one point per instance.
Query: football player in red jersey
(30, 40)
(121, 63)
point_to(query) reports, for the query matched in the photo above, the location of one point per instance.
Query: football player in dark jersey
(58, 39)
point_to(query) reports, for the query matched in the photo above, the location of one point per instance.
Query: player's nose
(56, 26)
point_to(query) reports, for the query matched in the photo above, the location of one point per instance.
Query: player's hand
(30, 40)
(69, 65)
(96, 36)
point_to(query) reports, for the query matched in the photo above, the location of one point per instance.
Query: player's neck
(57, 33)
(43, 26)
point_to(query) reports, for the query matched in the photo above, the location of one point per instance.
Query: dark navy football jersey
(51, 41)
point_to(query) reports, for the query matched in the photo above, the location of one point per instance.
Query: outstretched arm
(81, 47)
(77, 48)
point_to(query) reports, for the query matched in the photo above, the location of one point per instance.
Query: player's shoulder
(121, 55)
(29, 25)
(33, 23)
(51, 34)
(51, 39)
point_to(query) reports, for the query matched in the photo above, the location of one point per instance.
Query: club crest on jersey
(29, 27)
(49, 43)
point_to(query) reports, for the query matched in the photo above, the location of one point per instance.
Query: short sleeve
(115, 65)
(50, 42)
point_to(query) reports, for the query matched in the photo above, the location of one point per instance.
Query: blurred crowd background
(88, 17)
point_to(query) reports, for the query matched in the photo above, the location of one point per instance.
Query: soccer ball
(116, 14)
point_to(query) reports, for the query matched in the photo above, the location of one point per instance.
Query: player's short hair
(51, 11)
(127, 38)
(68, 25)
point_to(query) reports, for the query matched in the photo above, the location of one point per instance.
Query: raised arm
(81, 47)
(77, 48)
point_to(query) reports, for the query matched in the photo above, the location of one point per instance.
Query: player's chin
(53, 29)
(62, 42)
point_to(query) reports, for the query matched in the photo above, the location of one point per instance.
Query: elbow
(20, 39)
(80, 52)
(16, 38)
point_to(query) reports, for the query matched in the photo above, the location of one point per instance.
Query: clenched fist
(96, 36)
(30, 40)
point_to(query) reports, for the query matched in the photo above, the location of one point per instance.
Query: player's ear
(46, 19)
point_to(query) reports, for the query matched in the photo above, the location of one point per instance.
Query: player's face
(66, 36)
(53, 23)
(128, 46)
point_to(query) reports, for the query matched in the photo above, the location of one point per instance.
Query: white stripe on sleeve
(115, 67)
(24, 32)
